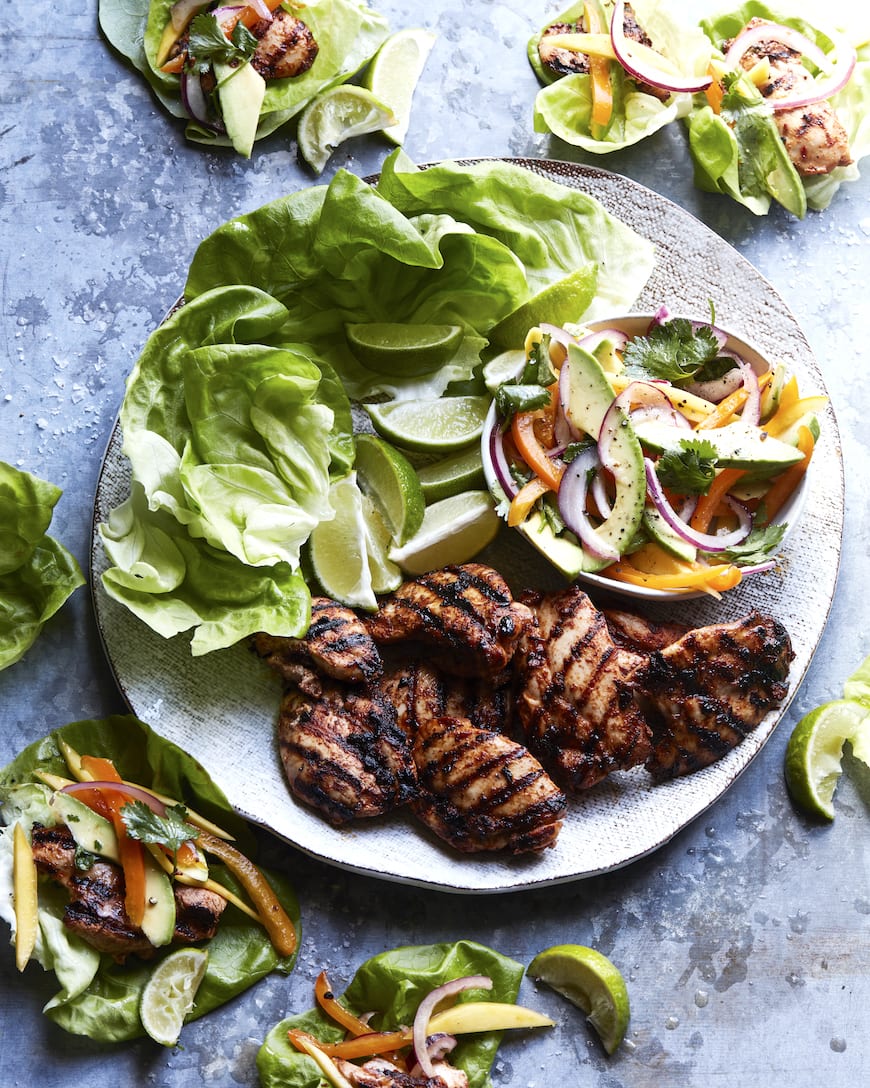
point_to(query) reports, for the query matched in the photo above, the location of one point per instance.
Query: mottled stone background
(744, 941)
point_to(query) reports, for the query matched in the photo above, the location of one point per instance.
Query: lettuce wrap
(99, 997)
(563, 106)
(37, 574)
(737, 151)
(393, 984)
(237, 415)
(348, 33)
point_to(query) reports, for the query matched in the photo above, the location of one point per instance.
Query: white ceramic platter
(221, 708)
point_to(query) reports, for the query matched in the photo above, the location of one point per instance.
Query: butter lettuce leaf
(100, 998)
(393, 984)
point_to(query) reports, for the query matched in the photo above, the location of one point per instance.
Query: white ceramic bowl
(633, 325)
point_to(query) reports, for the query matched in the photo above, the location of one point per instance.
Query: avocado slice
(737, 445)
(91, 831)
(158, 922)
(240, 91)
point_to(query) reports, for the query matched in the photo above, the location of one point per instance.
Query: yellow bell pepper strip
(327, 1000)
(599, 76)
(787, 415)
(272, 915)
(525, 499)
(784, 486)
(708, 504)
(715, 579)
(25, 897)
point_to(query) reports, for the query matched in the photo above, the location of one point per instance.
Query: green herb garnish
(170, 830)
(208, 43)
(689, 470)
(674, 350)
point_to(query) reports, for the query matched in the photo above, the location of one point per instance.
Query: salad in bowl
(654, 455)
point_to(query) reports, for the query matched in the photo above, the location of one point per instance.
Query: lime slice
(564, 301)
(503, 368)
(591, 982)
(336, 116)
(170, 992)
(337, 549)
(403, 351)
(394, 73)
(385, 574)
(390, 481)
(453, 531)
(814, 752)
(462, 471)
(445, 424)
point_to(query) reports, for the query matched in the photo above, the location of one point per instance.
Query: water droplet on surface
(672, 1022)
(701, 998)
(838, 1044)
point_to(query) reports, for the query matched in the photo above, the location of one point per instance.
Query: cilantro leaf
(689, 470)
(537, 370)
(715, 369)
(757, 547)
(207, 43)
(674, 350)
(511, 398)
(171, 829)
(84, 859)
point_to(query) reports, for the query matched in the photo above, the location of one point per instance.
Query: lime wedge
(564, 301)
(453, 531)
(336, 116)
(390, 481)
(385, 574)
(403, 351)
(170, 992)
(503, 368)
(814, 753)
(444, 424)
(462, 471)
(591, 982)
(394, 73)
(337, 549)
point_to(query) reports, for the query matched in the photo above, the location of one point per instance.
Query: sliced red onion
(558, 334)
(438, 1046)
(687, 510)
(428, 1005)
(644, 70)
(839, 72)
(655, 405)
(183, 11)
(752, 408)
(134, 793)
(261, 9)
(591, 341)
(223, 13)
(661, 315)
(719, 388)
(495, 444)
(573, 489)
(599, 495)
(195, 101)
(707, 542)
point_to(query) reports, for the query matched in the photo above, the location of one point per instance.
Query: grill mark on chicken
(96, 911)
(343, 752)
(464, 616)
(641, 634)
(336, 644)
(707, 691)
(576, 696)
(286, 46)
(813, 135)
(379, 1073)
(482, 791)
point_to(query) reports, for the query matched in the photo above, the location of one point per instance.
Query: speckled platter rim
(221, 708)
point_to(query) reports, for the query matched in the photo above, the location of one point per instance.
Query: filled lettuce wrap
(102, 959)
(786, 120)
(236, 73)
(615, 73)
(37, 574)
(392, 986)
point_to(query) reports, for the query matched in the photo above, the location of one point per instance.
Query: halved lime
(813, 756)
(445, 423)
(390, 480)
(564, 301)
(337, 549)
(454, 530)
(591, 982)
(401, 350)
(394, 73)
(336, 116)
(461, 471)
(169, 994)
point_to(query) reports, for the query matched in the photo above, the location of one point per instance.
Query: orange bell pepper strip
(525, 499)
(175, 66)
(363, 1046)
(708, 504)
(599, 76)
(326, 999)
(784, 486)
(715, 579)
(532, 452)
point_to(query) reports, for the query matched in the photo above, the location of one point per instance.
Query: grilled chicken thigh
(463, 617)
(640, 633)
(813, 135)
(712, 687)
(286, 46)
(481, 791)
(577, 692)
(379, 1073)
(343, 752)
(336, 644)
(96, 910)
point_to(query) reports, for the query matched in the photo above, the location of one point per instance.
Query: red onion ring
(573, 488)
(645, 72)
(719, 388)
(558, 334)
(843, 52)
(706, 542)
(427, 1007)
(591, 340)
(134, 793)
(599, 495)
(655, 405)
(495, 444)
(194, 100)
(261, 9)
(752, 408)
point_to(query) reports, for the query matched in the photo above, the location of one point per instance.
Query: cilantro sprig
(675, 350)
(207, 43)
(761, 543)
(690, 469)
(530, 390)
(170, 830)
